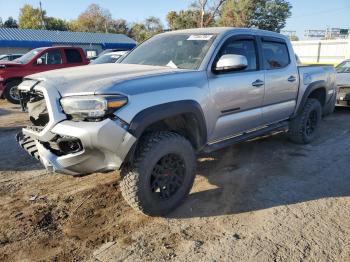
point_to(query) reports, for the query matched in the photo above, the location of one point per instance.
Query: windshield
(183, 51)
(343, 67)
(3, 57)
(29, 56)
(108, 58)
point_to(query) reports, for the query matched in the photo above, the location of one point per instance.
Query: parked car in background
(109, 58)
(177, 94)
(36, 61)
(9, 57)
(343, 83)
(106, 51)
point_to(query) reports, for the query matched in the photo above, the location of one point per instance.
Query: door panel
(278, 111)
(237, 95)
(237, 101)
(230, 125)
(281, 82)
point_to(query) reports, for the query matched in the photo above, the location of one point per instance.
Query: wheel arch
(186, 115)
(10, 80)
(13, 79)
(315, 90)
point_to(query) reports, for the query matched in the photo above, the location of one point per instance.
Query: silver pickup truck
(178, 94)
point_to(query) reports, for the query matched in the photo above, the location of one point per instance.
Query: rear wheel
(11, 92)
(304, 127)
(162, 174)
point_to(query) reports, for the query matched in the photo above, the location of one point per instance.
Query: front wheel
(11, 92)
(304, 127)
(162, 174)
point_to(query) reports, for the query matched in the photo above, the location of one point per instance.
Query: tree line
(263, 14)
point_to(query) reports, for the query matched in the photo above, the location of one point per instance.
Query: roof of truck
(220, 30)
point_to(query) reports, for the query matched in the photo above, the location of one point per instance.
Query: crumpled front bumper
(343, 96)
(105, 145)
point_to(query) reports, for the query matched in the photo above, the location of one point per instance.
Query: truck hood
(9, 64)
(91, 79)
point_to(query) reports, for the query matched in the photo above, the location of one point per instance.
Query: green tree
(143, 31)
(119, 26)
(201, 13)
(138, 32)
(53, 23)
(263, 14)
(30, 17)
(153, 25)
(271, 15)
(237, 13)
(207, 11)
(182, 20)
(10, 23)
(1, 23)
(93, 19)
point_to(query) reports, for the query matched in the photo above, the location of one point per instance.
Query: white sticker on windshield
(199, 37)
(171, 64)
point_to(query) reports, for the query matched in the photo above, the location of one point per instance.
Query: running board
(281, 126)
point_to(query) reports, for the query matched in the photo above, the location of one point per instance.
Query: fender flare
(321, 84)
(160, 112)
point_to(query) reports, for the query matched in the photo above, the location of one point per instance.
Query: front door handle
(258, 83)
(291, 79)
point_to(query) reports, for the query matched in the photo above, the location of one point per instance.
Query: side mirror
(231, 62)
(39, 61)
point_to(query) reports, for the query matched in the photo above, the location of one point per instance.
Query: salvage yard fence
(322, 51)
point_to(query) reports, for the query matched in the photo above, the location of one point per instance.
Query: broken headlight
(93, 107)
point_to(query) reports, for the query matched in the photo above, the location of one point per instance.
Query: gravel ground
(263, 200)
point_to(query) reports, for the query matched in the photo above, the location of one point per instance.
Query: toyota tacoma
(176, 95)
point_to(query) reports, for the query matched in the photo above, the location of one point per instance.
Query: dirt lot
(264, 200)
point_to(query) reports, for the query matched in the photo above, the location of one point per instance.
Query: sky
(306, 14)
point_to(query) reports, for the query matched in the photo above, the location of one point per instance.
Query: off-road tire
(7, 92)
(298, 127)
(136, 183)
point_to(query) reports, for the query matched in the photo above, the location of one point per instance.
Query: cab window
(242, 47)
(275, 55)
(73, 56)
(52, 57)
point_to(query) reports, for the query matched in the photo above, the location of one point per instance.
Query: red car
(35, 61)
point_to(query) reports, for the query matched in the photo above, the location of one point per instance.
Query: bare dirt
(263, 200)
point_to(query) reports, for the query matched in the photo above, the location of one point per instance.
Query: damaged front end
(68, 146)
(343, 96)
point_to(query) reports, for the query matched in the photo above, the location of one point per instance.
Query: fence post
(318, 52)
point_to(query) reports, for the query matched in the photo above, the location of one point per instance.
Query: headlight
(91, 107)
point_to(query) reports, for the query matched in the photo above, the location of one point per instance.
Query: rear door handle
(291, 79)
(258, 83)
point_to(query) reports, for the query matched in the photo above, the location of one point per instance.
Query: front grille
(34, 102)
(344, 93)
(28, 144)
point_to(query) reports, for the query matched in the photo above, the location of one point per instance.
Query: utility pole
(41, 16)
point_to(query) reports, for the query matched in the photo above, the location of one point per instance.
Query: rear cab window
(275, 55)
(73, 56)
